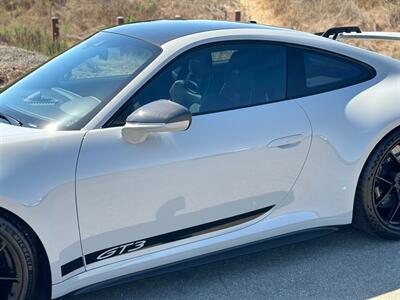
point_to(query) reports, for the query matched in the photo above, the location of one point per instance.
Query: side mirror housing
(157, 116)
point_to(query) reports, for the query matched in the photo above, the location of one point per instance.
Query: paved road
(343, 265)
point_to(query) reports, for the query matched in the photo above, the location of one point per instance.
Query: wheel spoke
(395, 208)
(3, 246)
(384, 180)
(384, 197)
(12, 276)
(386, 189)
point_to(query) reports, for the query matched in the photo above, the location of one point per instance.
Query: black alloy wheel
(377, 203)
(386, 189)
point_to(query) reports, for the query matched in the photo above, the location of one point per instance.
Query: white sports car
(155, 145)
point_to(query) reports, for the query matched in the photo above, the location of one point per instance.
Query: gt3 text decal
(130, 247)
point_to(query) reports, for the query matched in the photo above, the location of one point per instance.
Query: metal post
(120, 20)
(55, 28)
(237, 15)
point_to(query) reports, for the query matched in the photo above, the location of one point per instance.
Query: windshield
(65, 93)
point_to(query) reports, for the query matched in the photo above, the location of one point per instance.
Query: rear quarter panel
(347, 125)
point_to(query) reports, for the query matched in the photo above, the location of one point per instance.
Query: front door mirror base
(158, 116)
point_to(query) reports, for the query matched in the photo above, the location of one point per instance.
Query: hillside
(318, 15)
(14, 62)
(26, 23)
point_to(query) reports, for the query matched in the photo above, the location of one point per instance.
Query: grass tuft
(31, 38)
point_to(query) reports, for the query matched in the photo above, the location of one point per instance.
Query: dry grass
(318, 15)
(31, 38)
(26, 23)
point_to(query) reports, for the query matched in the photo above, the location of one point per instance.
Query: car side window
(313, 71)
(217, 78)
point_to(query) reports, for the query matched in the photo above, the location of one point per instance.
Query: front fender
(37, 183)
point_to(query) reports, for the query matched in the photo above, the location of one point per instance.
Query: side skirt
(270, 243)
(165, 238)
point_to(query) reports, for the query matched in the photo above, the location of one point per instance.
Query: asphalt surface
(344, 265)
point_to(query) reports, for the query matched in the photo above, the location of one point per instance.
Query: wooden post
(237, 15)
(120, 20)
(55, 28)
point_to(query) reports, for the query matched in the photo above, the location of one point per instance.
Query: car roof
(160, 32)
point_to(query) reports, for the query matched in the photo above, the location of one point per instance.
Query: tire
(18, 259)
(377, 202)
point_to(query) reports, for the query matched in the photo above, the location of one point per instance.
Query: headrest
(200, 66)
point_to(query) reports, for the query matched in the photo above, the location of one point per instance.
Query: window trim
(289, 71)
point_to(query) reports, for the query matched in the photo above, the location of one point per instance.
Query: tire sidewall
(20, 241)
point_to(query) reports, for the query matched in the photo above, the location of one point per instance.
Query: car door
(239, 159)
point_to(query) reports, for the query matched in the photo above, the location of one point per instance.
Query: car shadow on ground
(347, 264)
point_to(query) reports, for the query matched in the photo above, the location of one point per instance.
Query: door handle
(287, 141)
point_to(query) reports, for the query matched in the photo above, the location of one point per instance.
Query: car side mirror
(157, 116)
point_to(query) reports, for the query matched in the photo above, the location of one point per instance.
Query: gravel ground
(15, 62)
(344, 265)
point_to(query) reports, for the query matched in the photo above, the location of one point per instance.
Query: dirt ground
(15, 62)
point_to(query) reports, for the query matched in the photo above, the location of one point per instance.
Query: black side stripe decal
(72, 266)
(163, 239)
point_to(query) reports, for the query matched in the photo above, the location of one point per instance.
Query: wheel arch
(373, 145)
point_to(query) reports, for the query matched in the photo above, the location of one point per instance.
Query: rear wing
(354, 32)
